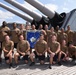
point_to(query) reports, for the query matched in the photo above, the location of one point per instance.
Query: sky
(56, 5)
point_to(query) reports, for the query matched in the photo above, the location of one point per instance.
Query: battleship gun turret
(39, 19)
(54, 18)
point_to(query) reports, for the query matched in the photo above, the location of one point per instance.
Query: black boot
(33, 63)
(50, 66)
(0, 60)
(59, 63)
(10, 65)
(73, 58)
(15, 65)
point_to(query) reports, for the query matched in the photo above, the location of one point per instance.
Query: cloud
(18, 21)
(1, 20)
(70, 1)
(53, 0)
(52, 6)
(25, 4)
(4, 15)
(65, 3)
(65, 9)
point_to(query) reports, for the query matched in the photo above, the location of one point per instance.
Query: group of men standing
(59, 44)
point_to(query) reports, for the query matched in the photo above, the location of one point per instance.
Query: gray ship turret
(54, 17)
(38, 19)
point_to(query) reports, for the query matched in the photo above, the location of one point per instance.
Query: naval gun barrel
(27, 10)
(54, 17)
(23, 16)
(38, 19)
